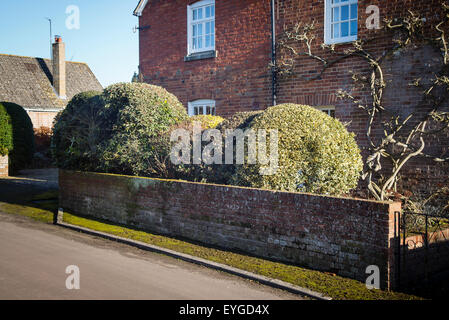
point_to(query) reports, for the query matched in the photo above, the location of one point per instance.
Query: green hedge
(207, 121)
(191, 172)
(222, 174)
(135, 114)
(116, 130)
(5, 131)
(239, 120)
(316, 153)
(127, 129)
(21, 154)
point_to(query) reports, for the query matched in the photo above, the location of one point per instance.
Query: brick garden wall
(4, 166)
(339, 235)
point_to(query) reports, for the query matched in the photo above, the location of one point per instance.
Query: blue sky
(105, 39)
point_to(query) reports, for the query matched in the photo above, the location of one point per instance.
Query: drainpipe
(273, 54)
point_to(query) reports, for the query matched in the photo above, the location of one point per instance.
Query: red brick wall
(4, 166)
(340, 235)
(238, 78)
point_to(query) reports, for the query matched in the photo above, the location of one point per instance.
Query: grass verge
(41, 208)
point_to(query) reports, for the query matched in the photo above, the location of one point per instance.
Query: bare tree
(403, 137)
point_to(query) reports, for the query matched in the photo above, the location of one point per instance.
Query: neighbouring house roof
(27, 81)
(139, 9)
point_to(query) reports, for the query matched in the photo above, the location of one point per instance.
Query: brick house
(214, 55)
(43, 87)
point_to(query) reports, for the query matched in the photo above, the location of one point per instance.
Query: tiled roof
(27, 81)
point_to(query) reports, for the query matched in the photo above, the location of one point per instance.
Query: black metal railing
(421, 248)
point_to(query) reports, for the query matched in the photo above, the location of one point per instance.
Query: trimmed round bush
(78, 131)
(5, 131)
(21, 154)
(316, 153)
(135, 115)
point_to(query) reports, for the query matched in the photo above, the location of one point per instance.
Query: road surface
(34, 257)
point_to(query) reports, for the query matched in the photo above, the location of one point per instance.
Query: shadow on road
(27, 184)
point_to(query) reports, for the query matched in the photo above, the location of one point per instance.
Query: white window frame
(328, 7)
(327, 109)
(203, 104)
(190, 23)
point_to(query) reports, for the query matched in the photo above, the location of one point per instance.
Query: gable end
(140, 6)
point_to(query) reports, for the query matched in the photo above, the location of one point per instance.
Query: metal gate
(422, 252)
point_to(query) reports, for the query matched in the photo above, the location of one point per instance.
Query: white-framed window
(340, 21)
(203, 106)
(329, 110)
(201, 26)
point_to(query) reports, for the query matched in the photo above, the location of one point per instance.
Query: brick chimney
(59, 75)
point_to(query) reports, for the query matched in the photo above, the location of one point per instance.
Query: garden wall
(338, 235)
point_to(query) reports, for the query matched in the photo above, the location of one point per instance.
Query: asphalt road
(34, 257)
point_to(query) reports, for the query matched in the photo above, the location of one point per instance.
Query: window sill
(341, 41)
(201, 55)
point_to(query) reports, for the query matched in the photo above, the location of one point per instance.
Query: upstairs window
(340, 21)
(199, 107)
(201, 26)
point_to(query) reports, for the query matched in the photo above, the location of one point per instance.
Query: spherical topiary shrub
(77, 132)
(21, 154)
(134, 115)
(5, 131)
(316, 153)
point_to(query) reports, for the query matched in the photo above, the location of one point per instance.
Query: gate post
(397, 237)
(394, 259)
